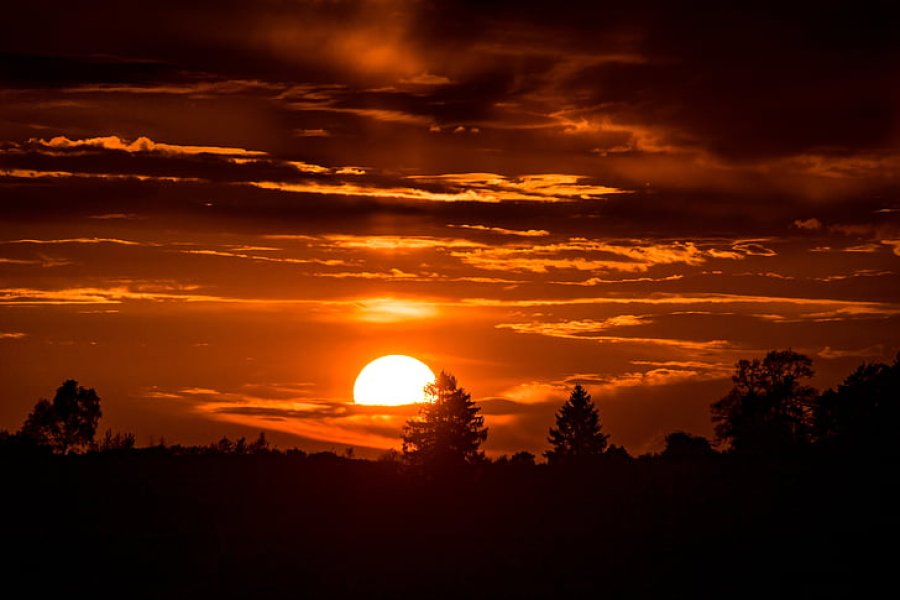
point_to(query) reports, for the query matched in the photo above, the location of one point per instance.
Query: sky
(217, 214)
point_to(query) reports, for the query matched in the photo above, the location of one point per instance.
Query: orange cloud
(547, 187)
(589, 330)
(811, 224)
(869, 352)
(43, 174)
(632, 257)
(83, 240)
(504, 231)
(141, 144)
(12, 335)
(390, 310)
(274, 259)
(393, 242)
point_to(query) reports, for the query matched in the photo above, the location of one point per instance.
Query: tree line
(769, 411)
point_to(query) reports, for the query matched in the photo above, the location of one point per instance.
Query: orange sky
(217, 216)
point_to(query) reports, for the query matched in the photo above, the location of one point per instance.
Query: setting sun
(392, 380)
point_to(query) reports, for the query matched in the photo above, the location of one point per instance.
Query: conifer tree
(577, 434)
(448, 431)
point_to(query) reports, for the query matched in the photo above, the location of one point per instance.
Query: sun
(392, 380)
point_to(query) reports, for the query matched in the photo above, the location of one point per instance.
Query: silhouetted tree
(683, 445)
(116, 442)
(68, 423)
(864, 411)
(448, 431)
(577, 436)
(768, 410)
(390, 457)
(617, 453)
(522, 458)
(260, 446)
(223, 446)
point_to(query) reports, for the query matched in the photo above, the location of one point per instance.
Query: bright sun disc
(391, 381)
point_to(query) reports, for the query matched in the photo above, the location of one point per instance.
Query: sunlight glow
(392, 380)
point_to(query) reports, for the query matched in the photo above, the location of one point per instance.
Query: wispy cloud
(82, 240)
(592, 331)
(665, 373)
(115, 217)
(47, 174)
(44, 262)
(12, 335)
(546, 187)
(688, 299)
(271, 259)
(582, 254)
(141, 144)
(504, 231)
(829, 353)
(312, 133)
(394, 242)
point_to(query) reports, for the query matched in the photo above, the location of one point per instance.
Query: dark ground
(139, 525)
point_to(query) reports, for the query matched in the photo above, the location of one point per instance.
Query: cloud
(312, 133)
(504, 231)
(44, 262)
(84, 240)
(455, 188)
(582, 254)
(94, 295)
(115, 216)
(689, 299)
(828, 353)
(536, 392)
(548, 187)
(44, 174)
(390, 310)
(652, 377)
(426, 79)
(141, 144)
(599, 280)
(666, 373)
(811, 224)
(855, 274)
(376, 114)
(183, 88)
(293, 408)
(393, 242)
(372, 309)
(12, 335)
(894, 244)
(591, 330)
(270, 259)
(576, 329)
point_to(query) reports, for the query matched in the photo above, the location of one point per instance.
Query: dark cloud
(41, 71)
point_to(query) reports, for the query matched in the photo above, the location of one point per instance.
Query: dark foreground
(145, 526)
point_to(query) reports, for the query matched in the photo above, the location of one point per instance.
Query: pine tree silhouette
(577, 435)
(449, 431)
